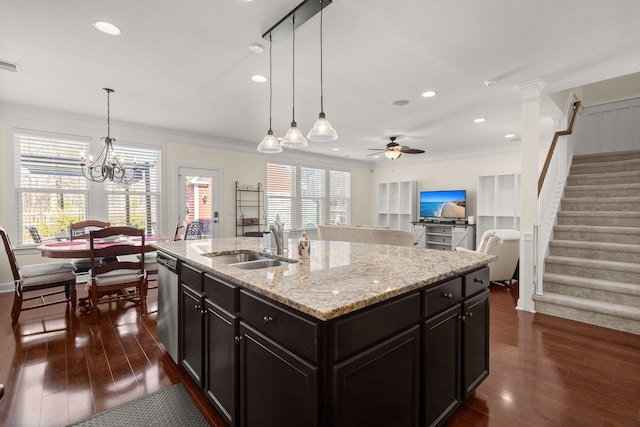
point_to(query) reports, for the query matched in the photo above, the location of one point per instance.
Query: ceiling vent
(9, 66)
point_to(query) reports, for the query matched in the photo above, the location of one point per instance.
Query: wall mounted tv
(443, 204)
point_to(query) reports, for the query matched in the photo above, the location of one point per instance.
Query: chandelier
(107, 166)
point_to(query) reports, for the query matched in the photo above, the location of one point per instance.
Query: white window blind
(50, 189)
(281, 193)
(313, 196)
(340, 200)
(136, 204)
(304, 197)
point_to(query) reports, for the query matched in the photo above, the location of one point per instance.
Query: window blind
(340, 198)
(313, 192)
(281, 193)
(50, 189)
(136, 203)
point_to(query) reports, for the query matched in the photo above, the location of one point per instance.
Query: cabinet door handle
(237, 339)
(476, 280)
(469, 314)
(267, 319)
(197, 307)
(447, 295)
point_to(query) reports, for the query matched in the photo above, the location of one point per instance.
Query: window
(304, 197)
(51, 191)
(137, 203)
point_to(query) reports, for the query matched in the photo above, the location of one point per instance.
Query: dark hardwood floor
(545, 371)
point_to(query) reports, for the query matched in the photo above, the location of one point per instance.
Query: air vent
(9, 66)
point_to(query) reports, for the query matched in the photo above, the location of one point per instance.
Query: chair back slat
(13, 262)
(181, 230)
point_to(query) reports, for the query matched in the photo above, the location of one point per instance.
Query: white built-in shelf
(498, 203)
(397, 204)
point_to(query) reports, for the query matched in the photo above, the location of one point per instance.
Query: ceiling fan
(393, 150)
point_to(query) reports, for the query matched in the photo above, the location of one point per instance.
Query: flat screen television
(443, 204)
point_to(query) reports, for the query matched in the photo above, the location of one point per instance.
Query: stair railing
(551, 186)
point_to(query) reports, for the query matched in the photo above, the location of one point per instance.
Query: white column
(530, 113)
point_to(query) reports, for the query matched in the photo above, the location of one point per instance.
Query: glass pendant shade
(391, 154)
(294, 138)
(322, 130)
(270, 144)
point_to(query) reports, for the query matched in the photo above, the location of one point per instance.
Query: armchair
(505, 244)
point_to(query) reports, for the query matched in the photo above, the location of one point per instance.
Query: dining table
(82, 249)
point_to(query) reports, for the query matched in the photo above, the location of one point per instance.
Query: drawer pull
(447, 295)
(238, 339)
(476, 280)
(267, 319)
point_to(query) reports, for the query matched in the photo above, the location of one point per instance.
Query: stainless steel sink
(260, 263)
(237, 257)
(248, 260)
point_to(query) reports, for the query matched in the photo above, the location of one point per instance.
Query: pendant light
(294, 138)
(270, 144)
(322, 130)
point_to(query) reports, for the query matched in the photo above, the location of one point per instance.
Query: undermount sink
(260, 263)
(248, 260)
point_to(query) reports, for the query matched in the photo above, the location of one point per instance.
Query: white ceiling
(185, 65)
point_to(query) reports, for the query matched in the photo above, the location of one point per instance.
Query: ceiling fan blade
(375, 154)
(376, 149)
(408, 150)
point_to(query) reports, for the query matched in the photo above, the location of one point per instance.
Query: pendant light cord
(321, 67)
(270, 82)
(293, 74)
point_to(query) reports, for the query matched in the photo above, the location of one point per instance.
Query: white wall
(452, 174)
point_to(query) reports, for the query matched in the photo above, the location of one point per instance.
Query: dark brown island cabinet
(407, 361)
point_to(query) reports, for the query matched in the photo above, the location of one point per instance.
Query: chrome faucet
(277, 229)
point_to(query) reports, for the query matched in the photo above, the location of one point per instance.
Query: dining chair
(35, 235)
(194, 231)
(121, 279)
(38, 277)
(81, 230)
(181, 230)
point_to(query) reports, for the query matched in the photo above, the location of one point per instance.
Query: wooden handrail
(558, 134)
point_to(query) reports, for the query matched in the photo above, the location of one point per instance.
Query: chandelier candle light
(107, 165)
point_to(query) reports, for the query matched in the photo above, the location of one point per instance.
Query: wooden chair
(81, 230)
(122, 279)
(35, 235)
(37, 277)
(181, 230)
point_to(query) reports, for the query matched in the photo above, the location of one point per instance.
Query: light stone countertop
(338, 278)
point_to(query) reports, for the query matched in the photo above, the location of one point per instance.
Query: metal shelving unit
(249, 209)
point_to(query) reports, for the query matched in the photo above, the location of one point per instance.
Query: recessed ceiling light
(335, 149)
(259, 78)
(490, 83)
(107, 28)
(429, 93)
(509, 135)
(256, 48)
(400, 102)
(479, 120)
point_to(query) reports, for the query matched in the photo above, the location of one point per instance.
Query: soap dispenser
(304, 246)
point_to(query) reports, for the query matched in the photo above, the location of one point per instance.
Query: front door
(198, 198)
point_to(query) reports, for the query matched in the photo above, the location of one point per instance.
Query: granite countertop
(338, 278)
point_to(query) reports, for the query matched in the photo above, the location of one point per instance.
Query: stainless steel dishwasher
(168, 288)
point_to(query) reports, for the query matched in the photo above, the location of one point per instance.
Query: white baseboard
(6, 287)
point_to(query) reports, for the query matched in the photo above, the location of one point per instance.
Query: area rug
(171, 406)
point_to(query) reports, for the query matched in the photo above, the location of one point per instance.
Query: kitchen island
(357, 334)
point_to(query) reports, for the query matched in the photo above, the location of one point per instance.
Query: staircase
(592, 273)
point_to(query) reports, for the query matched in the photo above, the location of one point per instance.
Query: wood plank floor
(545, 371)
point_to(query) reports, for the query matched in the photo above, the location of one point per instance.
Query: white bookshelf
(397, 204)
(498, 203)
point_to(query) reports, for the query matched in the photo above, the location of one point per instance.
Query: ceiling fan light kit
(394, 150)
